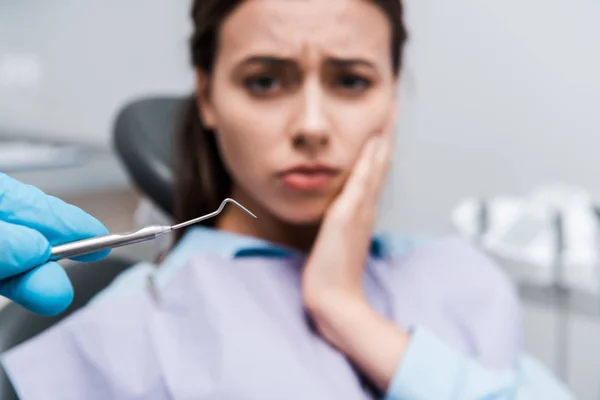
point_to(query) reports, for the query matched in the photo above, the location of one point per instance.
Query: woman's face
(297, 88)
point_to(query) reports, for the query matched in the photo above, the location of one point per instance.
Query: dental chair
(142, 137)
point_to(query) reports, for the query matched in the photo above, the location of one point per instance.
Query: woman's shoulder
(450, 253)
(465, 268)
(474, 291)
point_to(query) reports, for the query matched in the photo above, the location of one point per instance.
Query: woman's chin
(303, 215)
(305, 220)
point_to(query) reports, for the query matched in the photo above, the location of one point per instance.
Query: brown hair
(201, 181)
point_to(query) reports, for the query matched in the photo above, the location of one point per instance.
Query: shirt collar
(201, 239)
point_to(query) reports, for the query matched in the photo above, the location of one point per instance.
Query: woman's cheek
(365, 118)
(243, 158)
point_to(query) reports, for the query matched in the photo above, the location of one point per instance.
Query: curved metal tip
(213, 214)
(237, 204)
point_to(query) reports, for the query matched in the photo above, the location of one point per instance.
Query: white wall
(500, 96)
(66, 66)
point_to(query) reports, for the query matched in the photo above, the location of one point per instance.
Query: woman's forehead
(307, 28)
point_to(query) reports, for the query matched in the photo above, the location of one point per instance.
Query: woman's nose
(310, 142)
(312, 129)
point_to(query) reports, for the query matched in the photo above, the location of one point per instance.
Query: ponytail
(201, 181)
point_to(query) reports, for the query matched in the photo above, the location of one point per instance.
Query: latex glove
(31, 222)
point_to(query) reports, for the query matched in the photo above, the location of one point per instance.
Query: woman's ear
(205, 107)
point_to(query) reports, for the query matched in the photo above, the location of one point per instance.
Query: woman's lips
(307, 181)
(309, 177)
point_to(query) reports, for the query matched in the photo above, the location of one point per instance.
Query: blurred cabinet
(100, 172)
(584, 357)
(548, 331)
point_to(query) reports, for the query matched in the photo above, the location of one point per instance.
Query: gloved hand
(31, 222)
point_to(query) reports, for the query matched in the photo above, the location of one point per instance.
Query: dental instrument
(110, 241)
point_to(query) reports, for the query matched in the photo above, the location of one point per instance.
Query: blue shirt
(456, 351)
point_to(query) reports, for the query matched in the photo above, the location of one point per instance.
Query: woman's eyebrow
(349, 62)
(287, 62)
(269, 60)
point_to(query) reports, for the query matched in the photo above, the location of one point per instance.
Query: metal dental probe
(110, 241)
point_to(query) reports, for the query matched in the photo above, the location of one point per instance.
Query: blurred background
(498, 98)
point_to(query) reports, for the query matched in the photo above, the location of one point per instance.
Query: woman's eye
(353, 83)
(262, 84)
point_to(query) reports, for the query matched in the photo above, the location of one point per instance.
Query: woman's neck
(266, 226)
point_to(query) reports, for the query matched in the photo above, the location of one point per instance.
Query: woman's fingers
(336, 262)
(368, 177)
(381, 163)
(360, 179)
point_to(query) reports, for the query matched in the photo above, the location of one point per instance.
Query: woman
(293, 117)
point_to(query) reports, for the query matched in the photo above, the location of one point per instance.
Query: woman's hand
(334, 268)
(333, 274)
(30, 224)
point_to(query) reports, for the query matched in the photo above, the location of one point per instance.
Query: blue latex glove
(31, 222)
